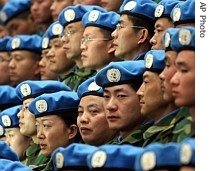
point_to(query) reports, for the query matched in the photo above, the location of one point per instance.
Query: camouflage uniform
(162, 131)
(34, 157)
(184, 129)
(75, 78)
(135, 138)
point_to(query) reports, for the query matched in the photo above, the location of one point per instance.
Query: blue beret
(6, 165)
(7, 153)
(12, 8)
(34, 88)
(183, 12)
(139, 8)
(184, 39)
(168, 36)
(187, 152)
(123, 72)
(73, 156)
(114, 157)
(155, 60)
(9, 116)
(25, 42)
(54, 103)
(89, 87)
(54, 30)
(8, 93)
(75, 13)
(165, 7)
(3, 43)
(104, 20)
(158, 156)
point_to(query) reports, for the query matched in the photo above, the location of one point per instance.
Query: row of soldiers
(125, 97)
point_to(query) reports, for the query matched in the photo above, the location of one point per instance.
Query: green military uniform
(135, 138)
(75, 78)
(34, 157)
(184, 129)
(162, 131)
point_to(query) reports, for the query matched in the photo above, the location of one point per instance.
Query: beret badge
(113, 75)
(98, 159)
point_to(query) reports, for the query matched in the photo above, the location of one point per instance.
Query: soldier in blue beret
(25, 56)
(72, 157)
(134, 29)
(183, 83)
(8, 93)
(158, 109)
(56, 119)
(183, 14)
(113, 157)
(16, 16)
(17, 141)
(120, 81)
(96, 44)
(163, 21)
(27, 91)
(44, 63)
(183, 120)
(7, 153)
(41, 15)
(57, 6)
(4, 61)
(91, 114)
(59, 63)
(6, 165)
(71, 19)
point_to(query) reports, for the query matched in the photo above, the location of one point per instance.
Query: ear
(111, 47)
(143, 35)
(73, 129)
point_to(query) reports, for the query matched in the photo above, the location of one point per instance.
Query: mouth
(84, 130)
(112, 118)
(43, 146)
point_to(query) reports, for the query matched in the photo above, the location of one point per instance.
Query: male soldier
(134, 29)
(56, 121)
(120, 81)
(153, 105)
(71, 19)
(91, 113)
(183, 81)
(44, 63)
(170, 69)
(96, 44)
(17, 18)
(27, 91)
(59, 63)
(163, 21)
(25, 51)
(17, 141)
